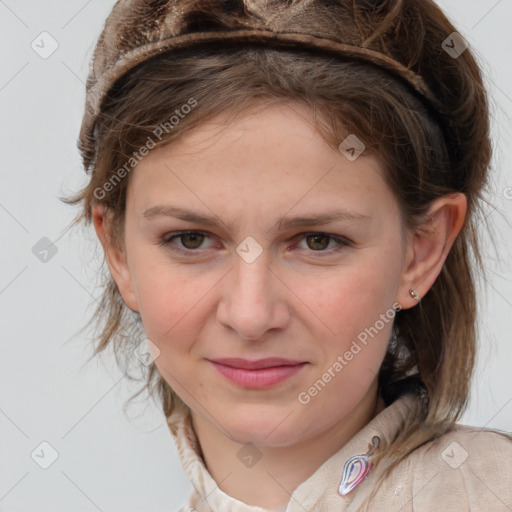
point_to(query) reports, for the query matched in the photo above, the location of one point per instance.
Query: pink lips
(262, 373)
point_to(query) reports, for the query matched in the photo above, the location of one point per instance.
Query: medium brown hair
(424, 155)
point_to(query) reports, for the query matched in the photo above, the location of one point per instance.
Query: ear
(115, 255)
(428, 247)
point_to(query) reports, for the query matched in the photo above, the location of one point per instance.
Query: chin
(261, 429)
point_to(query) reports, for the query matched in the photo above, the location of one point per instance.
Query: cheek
(169, 301)
(354, 317)
(350, 298)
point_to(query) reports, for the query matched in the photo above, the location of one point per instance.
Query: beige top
(468, 470)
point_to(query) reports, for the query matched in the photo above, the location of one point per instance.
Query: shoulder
(463, 444)
(467, 468)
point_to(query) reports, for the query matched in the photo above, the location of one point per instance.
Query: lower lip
(262, 378)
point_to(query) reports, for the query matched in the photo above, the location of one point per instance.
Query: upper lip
(247, 364)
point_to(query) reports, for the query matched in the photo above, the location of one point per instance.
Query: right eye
(190, 241)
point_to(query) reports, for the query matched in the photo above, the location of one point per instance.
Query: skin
(290, 302)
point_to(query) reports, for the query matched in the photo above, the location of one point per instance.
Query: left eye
(318, 242)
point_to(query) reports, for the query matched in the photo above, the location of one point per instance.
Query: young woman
(287, 195)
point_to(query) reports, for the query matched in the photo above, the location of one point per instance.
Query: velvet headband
(137, 30)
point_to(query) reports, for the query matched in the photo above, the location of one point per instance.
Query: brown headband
(111, 63)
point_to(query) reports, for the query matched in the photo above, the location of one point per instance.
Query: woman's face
(256, 280)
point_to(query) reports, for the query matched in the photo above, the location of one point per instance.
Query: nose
(254, 300)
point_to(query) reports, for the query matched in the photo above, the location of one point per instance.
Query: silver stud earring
(414, 295)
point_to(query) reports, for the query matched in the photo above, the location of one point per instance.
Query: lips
(258, 364)
(258, 374)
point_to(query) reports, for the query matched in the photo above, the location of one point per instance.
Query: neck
(271, 481)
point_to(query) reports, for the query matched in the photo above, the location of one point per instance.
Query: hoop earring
(414, 295)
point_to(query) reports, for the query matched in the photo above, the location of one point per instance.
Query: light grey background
(107, 461)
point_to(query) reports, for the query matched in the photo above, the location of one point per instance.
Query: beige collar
(318, 492)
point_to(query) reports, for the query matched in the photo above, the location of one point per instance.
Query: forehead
(272, 158)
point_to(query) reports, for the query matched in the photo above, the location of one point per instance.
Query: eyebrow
(283, 223)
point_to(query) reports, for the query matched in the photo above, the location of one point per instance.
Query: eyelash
(342, 242)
